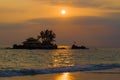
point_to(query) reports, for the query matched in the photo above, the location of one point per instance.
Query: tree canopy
(47, 36)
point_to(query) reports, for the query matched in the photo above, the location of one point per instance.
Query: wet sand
(70, 76)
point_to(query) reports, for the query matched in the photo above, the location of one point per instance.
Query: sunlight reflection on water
(62, 58)
(64, 76)
(30, 59)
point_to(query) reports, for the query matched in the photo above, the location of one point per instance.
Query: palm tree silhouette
(47, 36)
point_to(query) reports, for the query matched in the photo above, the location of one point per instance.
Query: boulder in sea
(78, 47)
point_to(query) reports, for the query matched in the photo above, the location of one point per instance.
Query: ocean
(31, 62)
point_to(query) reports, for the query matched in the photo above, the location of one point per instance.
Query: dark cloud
(115, 15)
(13, 26)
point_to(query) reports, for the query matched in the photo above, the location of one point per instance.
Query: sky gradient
(94, 23)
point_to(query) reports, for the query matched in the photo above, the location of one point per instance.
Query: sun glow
(63, 12)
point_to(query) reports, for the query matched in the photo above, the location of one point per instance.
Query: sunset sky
(94, 23)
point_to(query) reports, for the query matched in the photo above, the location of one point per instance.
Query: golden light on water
(62, 58)
(64, 47)
(64, 76)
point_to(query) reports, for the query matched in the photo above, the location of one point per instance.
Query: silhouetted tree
(47, 36)
(43, 41)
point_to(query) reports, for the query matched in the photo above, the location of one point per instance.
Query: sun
(63, 12)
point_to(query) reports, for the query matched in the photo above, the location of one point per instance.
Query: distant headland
(45, 40)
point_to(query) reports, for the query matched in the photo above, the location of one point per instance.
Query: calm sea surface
(41, 59)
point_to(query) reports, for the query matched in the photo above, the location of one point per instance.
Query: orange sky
(19, 10)
(93, 23)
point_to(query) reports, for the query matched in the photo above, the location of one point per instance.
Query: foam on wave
(23, 72)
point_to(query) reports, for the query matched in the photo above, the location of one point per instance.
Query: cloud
(11, 26)
(102, 4)
(11, 10)
(110, 19)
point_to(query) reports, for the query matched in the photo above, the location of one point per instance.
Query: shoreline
(66, 76)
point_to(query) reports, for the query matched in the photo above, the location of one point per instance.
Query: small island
(45, 40)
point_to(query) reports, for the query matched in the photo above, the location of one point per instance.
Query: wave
(23, 72)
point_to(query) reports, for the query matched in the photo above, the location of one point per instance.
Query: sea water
(29, 62)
